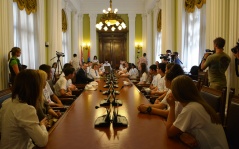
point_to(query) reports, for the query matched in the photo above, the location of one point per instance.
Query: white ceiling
(124, 6)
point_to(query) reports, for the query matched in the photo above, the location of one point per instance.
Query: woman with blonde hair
(19, 124)
(197, 120)
(14, 63)
(45, 108)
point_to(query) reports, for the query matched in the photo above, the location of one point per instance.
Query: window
(25, 36)
(194, 38)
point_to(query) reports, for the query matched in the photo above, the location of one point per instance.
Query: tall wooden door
(112, 47)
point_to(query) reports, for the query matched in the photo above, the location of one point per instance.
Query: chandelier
(110, 20)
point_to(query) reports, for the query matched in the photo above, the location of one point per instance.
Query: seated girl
(197, 119)
(144, 79)
(19, 124)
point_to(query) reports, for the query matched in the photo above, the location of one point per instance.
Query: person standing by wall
(217, 63)
(75, 62)
(142, 59)
(14, 63)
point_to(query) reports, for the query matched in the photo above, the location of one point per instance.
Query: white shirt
(144, 77)
(47, 92)
(60, 84)
(69, 81)
(195, 120)
(75, 62)
(94, 73)
(19, 123)
(161, 84)
(133, 73)
(178, 106)
(95, 61)
(155, 80)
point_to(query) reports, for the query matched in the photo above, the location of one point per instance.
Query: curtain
(191, 39)
(25, 36)
(158, 47)
(29, 35)
(159, 21)
(29, 5)
(64, 21)
(6, 40)
(190, 5)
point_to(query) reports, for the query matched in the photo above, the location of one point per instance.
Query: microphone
(104, 120)
(105, 102)
(116, 102)
(118, 120)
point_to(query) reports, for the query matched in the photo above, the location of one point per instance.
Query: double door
(112, 48)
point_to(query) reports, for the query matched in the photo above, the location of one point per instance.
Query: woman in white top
(144, 79)
(94, 73)
(198, 120)
(19, 124)
(95, 59)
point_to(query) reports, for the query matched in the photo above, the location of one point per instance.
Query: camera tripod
(58, 66)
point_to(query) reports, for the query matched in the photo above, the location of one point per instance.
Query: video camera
(165, 57)
(236, 48)
(210, 51)
(59, 54)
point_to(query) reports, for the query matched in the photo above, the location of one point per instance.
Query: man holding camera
(217, 63)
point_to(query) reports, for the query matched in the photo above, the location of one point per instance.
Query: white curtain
(29, 35)
(193, 32)
(6, 39)
(158, 50)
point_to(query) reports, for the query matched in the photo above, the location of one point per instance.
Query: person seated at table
(69, 81)
(94, 71)
(19, 124)
(162, 108)
(155, 75)
(131, 73)
(61, 88)
(135, 72)
(161, 97)
(44, 107)
(101, 69)
(81, 75)
(49, 95)
(121, 65)
(161, 88)
(124, 69)
(144, 78)
(198, 124)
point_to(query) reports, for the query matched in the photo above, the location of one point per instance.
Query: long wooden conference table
(76, 130)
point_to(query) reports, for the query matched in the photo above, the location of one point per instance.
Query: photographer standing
(235, 51)
(217, 63)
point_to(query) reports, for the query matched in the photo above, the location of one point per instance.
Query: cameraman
(235, 51)
(217, 63)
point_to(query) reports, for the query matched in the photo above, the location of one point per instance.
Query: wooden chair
(216, 99)
(232, 123)
(203, 76)
(198, 84)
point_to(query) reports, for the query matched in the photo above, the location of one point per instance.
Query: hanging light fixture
(110, 20)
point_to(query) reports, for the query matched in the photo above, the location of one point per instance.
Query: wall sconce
(138, 45)
(86, 46)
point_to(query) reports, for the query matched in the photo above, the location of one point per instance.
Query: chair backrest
(216, 99)
(198, 84)
(203, 76)
(232, 123)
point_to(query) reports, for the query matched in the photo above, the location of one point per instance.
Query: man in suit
(81, 75)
